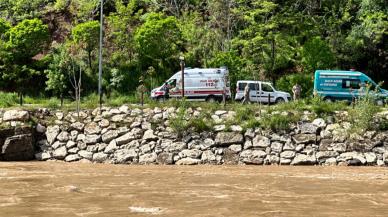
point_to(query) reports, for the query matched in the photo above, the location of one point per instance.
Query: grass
(8, 99)
(361, 116)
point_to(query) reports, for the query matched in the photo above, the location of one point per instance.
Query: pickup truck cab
(261, 91)
(346, 85)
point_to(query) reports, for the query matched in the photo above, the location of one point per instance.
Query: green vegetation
(44, 43)
(363, 114)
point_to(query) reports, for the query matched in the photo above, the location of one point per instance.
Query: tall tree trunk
(61, 99)
(90, 60)
(21, 98)
(273, 56)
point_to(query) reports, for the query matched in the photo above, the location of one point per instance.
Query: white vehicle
(199, 85)
(260, 92)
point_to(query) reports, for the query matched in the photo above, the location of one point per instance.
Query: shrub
(179, 123)
(321, 107)
(199, 125)
(278, 122)
(362, 115)
(286, 83)
(8, 99)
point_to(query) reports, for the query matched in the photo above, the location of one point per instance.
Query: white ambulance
(199, 85)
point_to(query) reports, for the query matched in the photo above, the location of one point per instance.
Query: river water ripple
(82, 189)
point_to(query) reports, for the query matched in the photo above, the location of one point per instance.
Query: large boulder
(72, 157)
(92, 128)
(147, 158)
(125, 155)
(100, 157)
(92, 139)
(149, 136)
(109, 136)
(307, 128)
(287, 154)
(60, 153)
(261, 142)
(326, 154)
(304, 138)
(126, 138)
(16, 115)
(302, 159)
(191, 153)
(17, 148)
(52, 133)
(86, 154)
(165, 158)
(229, 138)
(188, 161)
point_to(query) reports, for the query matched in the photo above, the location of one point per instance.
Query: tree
(159, 42)
(26, 40)
(316, 54)
(87, 36)
(58, 71)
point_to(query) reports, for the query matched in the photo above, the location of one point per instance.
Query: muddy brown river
(81, 189)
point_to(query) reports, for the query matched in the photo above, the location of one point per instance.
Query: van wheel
(160, 99)
(380, 102)
(328, 99)
(211, 99)
(279, 100)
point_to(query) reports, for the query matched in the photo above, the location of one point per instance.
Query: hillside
(46, 44)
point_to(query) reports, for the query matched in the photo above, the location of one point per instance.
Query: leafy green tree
(18, 10)
(26, 40)
(316, 54)
(159, 42)
(58, 71)
(87, 36)
(4, 27)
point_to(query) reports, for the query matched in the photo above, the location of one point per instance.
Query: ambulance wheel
(279, 100)
(211, 99)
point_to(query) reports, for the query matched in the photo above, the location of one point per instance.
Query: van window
(266, 88)
(351, 83)
(241, 86)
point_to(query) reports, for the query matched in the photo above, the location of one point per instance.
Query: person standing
(166, 91)
(296, 90)
(247, 91)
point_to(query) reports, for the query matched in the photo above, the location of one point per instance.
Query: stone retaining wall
(143, 136)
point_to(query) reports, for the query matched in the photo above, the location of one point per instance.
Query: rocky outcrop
(16, 144)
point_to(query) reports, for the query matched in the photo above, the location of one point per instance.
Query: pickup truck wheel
(279, 100)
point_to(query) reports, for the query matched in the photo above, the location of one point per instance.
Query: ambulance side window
(351, 83)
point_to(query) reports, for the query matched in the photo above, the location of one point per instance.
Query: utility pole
(100, 55)
(183, 75)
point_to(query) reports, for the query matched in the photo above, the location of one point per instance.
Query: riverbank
(92, 190)
(190, 136)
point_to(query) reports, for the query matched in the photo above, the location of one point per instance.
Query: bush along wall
(127, 135)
